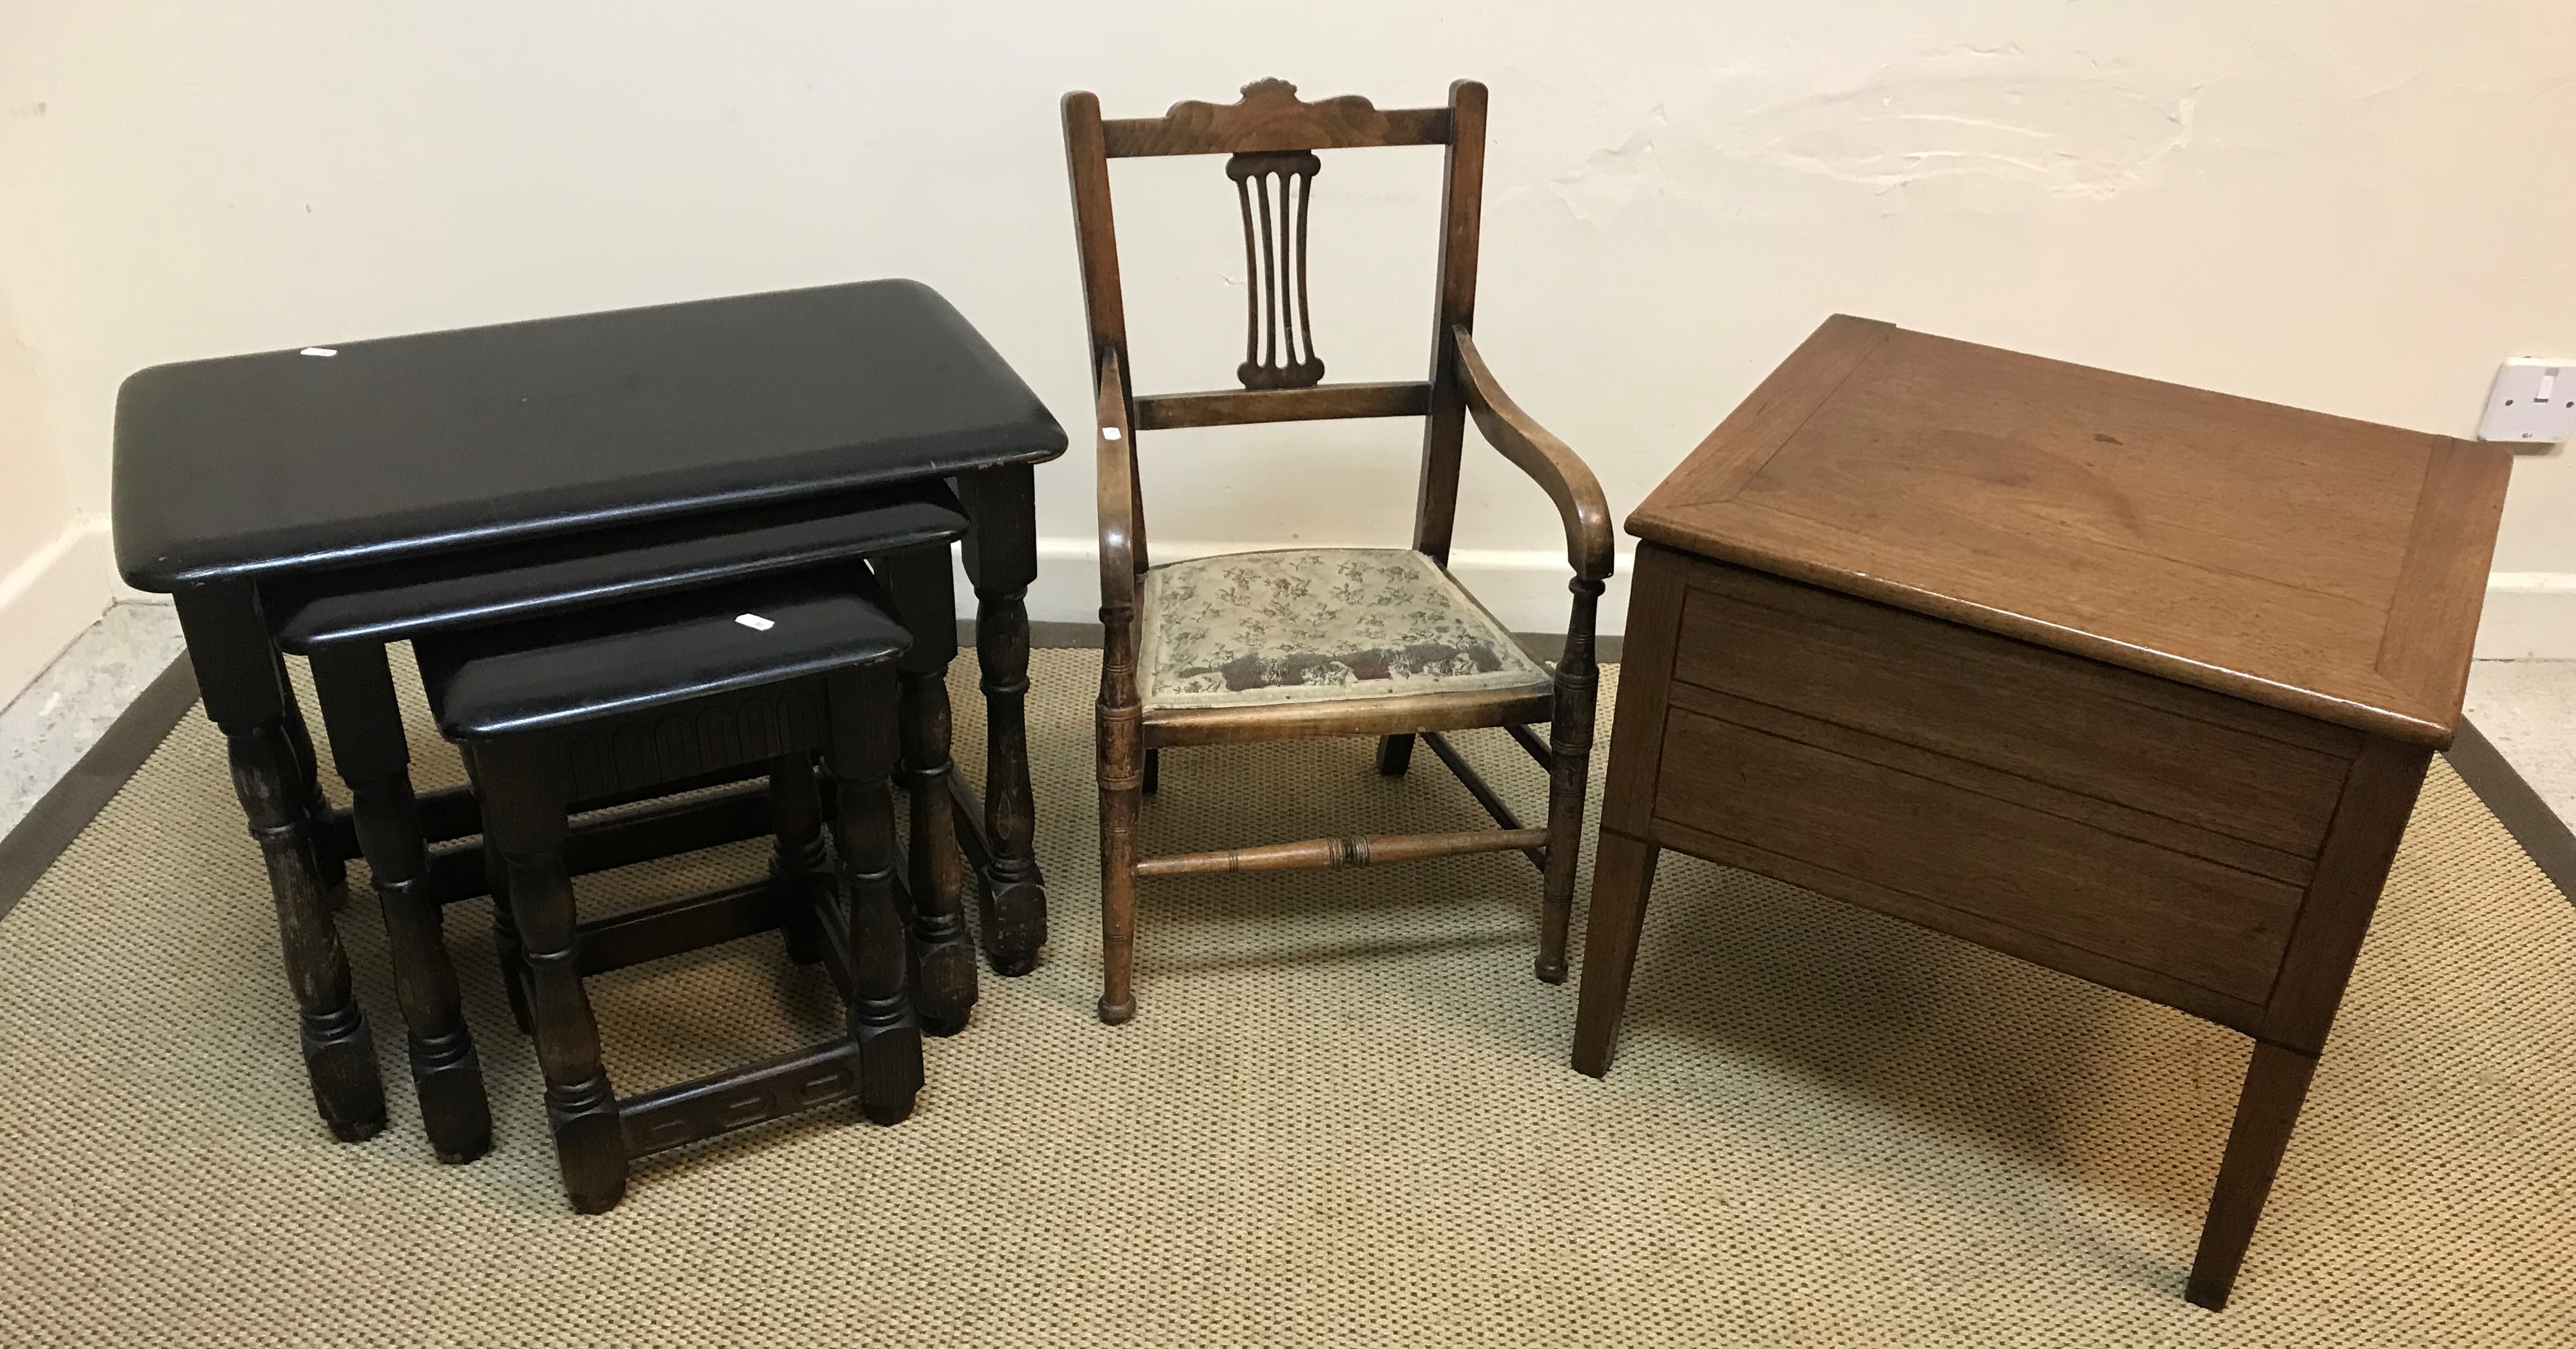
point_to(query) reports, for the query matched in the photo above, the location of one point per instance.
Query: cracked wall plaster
(2064, 137)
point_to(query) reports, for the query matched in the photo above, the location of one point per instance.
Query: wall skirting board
(49, 597)
(2530, 615)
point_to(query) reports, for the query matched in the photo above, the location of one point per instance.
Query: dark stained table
(239, 477)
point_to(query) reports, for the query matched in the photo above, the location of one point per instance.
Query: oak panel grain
(2007, 864)
(2215, 764)
(2021, 943)
(1967, 775)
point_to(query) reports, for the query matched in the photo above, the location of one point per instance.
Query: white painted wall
(2354, 208)
(55, 568)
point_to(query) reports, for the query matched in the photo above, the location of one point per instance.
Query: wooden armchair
(1320, 641)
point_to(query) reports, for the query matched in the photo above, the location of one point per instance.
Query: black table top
(287, 460)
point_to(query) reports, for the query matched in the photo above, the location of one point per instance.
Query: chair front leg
(1578, 687)
(1122, 800)
(1125, 766)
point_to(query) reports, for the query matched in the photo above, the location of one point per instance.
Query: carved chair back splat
(1239, 691)
(1278, 327)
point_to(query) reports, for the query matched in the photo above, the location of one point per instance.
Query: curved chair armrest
(1548, 460)
(1117, 442)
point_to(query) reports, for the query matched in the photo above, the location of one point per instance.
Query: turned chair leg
(1578, 687)
(1394, 755)
(524, 801)
(1122, 799)
(800, 865)
(1124, 766)
(881, 1019)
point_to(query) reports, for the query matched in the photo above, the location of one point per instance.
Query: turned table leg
(799, 865)
(524, 799)
(881, 1019)
(237, 673)
(943, 958)
(507, 951)
(365, 722)
(1001, 560)
(330, 866)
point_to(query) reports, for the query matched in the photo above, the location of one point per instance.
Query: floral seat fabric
(1317, 623)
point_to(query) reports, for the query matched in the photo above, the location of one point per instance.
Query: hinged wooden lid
(2328, 567)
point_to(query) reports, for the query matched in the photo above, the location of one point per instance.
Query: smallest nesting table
(2130, 680)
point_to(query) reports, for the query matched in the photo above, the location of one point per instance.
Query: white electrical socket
(2533, 402)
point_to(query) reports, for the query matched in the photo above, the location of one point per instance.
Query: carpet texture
(1342, 1116)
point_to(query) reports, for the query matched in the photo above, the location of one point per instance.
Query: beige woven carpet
(1344, 1116)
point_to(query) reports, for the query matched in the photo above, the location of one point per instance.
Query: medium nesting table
(253, 487)
(2130, 680)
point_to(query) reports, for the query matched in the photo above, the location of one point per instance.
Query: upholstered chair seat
(1313, 624)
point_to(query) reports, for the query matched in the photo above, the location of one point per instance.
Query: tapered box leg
(2276, 1086)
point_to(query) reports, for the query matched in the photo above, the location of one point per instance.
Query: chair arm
(1549, 461)
(1117, 443)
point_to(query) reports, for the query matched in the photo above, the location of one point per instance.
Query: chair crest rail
(1270, 116)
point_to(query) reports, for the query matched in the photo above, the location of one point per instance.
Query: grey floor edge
(63, 711)
(59, 816)
(2544, 836)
